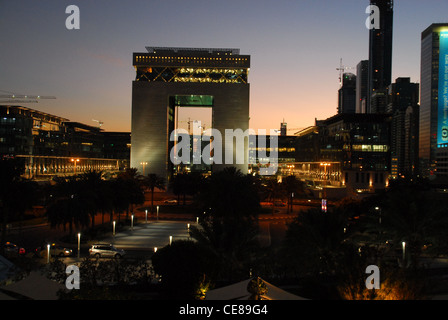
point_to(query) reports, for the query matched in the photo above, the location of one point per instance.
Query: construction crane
(21, 98)
(341, 70)
(100, 123)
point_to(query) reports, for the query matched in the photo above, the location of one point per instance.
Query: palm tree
(130, 192)
(153, 181)
(92, 192)
(67, 211)
(273, 190)
(292, 186)
(16, 194)
(315, 242)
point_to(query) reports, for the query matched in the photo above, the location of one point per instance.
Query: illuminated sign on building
(442, 130)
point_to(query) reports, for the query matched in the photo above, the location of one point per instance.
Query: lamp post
(157, 213)
(48, 253)
(324, 196)
(79, 244)
(75, 161)
(132, 222)
(403, 244)
(379, 214)
(113, 228)
(171, 240)
(146, 216)
(143, 164)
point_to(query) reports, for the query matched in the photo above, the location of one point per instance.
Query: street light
(403, 244)
(132, 222)
(324, 196)
(157, 212)
(171, 240)
(48, 253)
(75, 161)
(79, 243)
(143, 164)
(113, 224)
(146, 216)
(379, 211)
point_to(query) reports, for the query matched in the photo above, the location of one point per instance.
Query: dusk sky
(295, 48)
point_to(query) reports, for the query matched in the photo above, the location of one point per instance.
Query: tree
(412, 213)
(229, 206)
(129, 184)
(183, 266)
(16, 193)
(315, 242)
(153, 181)
(292, 186)
(273, 190)
(229, 193)
(92, 193)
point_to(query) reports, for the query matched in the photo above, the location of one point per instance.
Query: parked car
(106, 251)
(12, 249)
(55, 251)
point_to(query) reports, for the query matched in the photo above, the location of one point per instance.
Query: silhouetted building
(402, 94)
(404, 109)
(433, 133)
(347, 94)
(362, 76)
(380, 58)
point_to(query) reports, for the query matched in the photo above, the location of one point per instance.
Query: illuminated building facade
(51, 145)
(433, 133)
(171, 78)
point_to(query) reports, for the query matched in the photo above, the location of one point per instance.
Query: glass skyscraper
(380, 57)
(433, 133)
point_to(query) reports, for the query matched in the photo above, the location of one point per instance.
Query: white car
(106, 251)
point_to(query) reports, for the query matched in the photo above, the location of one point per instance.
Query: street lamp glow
(171, 240)
(403, 244)
(157, 212)
(146, 216)
(113, 224)
(48, 253)
(132, 222)
(79, 244)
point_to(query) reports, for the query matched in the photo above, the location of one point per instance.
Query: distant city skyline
(295, 48)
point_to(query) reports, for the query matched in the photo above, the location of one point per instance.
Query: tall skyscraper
(380, 57)
(347, 94)
(362, 74)
(434, 96)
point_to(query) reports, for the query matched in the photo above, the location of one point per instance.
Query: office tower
(433, 96)
(403, 107)
(362, 74)
(402, 94)
(347, 94)
(380, 58)
(171, 78)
